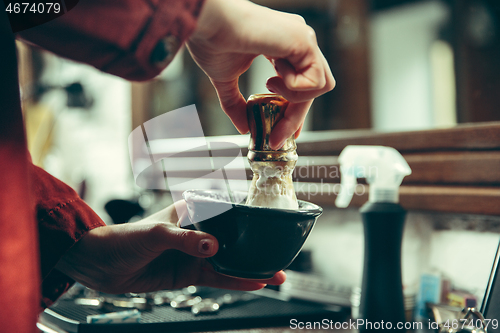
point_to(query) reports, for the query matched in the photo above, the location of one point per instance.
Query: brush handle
(264, 111)
(272, 183)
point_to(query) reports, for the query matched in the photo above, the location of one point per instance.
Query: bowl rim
(314, 210)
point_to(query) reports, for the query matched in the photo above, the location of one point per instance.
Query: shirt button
(164, 51)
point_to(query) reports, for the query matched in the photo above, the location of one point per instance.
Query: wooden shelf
(485, 136)
(453, 170)
(455, 199)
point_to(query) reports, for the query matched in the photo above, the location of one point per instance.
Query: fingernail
(279, 145)
(206, 246)
(271, 89)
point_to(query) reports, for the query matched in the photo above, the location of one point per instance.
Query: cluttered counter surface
(192, 309)
(82, 311)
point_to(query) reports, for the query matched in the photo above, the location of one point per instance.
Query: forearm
(63, 219)
(134, 39)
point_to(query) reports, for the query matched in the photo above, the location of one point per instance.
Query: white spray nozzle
(383, 167)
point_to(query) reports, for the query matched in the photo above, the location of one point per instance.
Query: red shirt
(134, 39)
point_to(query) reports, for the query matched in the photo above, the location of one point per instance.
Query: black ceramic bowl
(254, 242)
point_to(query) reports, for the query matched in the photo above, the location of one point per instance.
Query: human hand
(149, 255)
(230, 34)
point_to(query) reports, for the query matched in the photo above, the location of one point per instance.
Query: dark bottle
(382, 301)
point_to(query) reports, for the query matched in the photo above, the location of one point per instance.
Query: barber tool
(272, 184)
(109, 303)
(383, 219)
(142, 301)
(122, 317)
(184, 301)
(165, 296)
(211, 305)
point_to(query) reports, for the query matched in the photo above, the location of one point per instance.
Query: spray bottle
(382, 302)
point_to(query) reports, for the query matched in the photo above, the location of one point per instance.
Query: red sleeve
(19, 268)
(134, 39)
(63, 218)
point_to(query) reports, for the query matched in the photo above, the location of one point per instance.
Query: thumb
(166, 236)
(291, 123)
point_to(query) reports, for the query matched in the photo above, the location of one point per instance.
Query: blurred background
(399, 65)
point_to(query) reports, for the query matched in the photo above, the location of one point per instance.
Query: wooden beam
(454, 170)
(451, 199)
(484, 136)
(478, 168)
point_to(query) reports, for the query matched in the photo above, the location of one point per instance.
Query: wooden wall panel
(453, 170)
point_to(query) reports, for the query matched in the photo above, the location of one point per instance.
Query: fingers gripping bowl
(254, 242)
